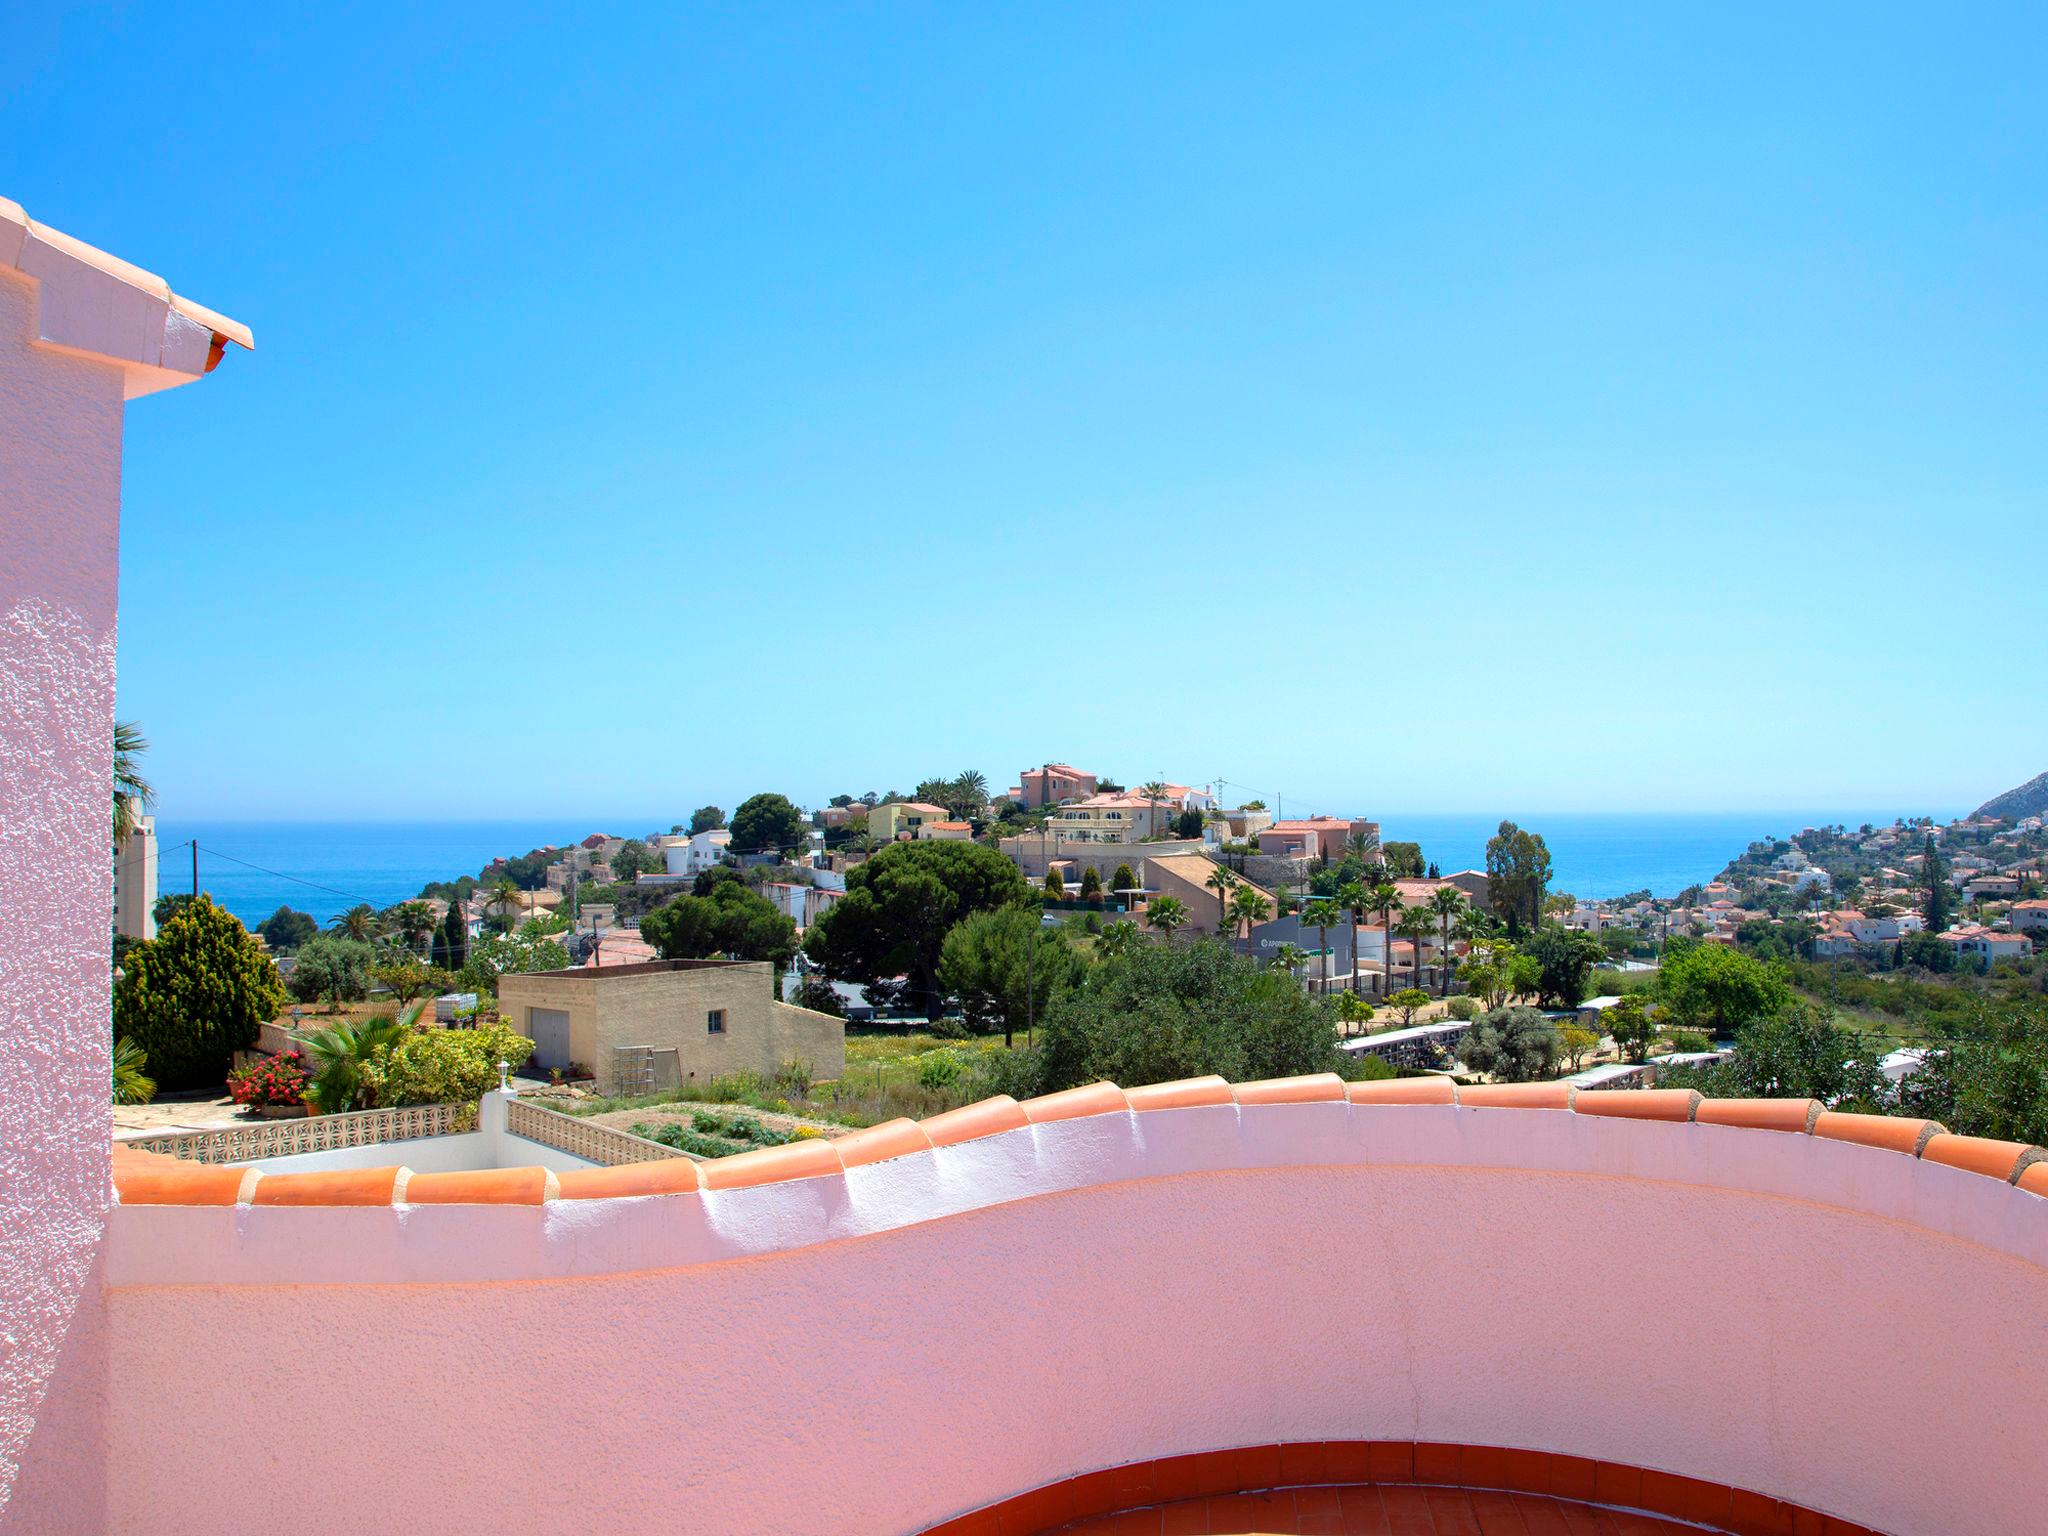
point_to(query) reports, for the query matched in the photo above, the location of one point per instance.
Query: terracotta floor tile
(1541, 1516)
(1263, 1513)
(1451, 1510)
(1321, 1503)
(1407, 1511)
(1497, 1514)
(1365, 1512)
(1582, 1520)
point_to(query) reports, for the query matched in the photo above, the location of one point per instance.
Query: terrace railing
(315, 1133)
(598, 1144)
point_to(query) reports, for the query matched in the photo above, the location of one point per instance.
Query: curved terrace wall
(880, 1346)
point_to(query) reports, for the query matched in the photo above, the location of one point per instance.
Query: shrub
(275, 1080)
(444, 1066)
(1462, 1008)
(333, 968)
(1516, 1045)
(1689, 1040)
(194, 995)
(793, 1078)
(938, 1069)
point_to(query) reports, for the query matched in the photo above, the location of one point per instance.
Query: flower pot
(283, 1111)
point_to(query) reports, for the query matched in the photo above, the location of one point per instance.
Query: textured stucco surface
(1852, 1329)
(60, 473)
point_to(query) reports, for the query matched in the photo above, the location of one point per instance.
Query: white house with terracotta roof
(1123, 817)
(1987, 946)
(2032, 914)
(946, 831)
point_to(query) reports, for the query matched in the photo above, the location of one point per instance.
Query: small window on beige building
(714, 1022)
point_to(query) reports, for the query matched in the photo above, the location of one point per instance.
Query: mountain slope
(2030, 799)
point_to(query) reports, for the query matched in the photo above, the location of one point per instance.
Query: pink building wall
(60, 496)
(1852, 1329)
(80, 333)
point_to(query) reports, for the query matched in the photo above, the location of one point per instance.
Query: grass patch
(890, 1074)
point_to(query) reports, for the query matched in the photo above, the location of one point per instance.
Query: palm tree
(359, 922)
(1385, 899)
(503, 895)
(1117, 938)
(1249, 908)
(1323, 915)
(1290, 957)
(129, 784)
(1220, 881)
(413, 922)
(1416, 926)
(132, 1085)
(1166, 914)
(1448, 903)
(1154, 791)
(1357, 900)
(970, 794)
(341, 1051)
(1360, 843)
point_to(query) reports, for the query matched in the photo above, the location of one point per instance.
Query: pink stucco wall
(60, 476)
(1855, 1330)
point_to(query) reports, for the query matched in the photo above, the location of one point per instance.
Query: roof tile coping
(143, 1178)
(18, 232)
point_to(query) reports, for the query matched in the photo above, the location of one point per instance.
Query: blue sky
(1494, 409)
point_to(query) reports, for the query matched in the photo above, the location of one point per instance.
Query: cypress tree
(451, 944)
(1937, 909)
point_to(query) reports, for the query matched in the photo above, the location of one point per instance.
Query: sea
(325, 867)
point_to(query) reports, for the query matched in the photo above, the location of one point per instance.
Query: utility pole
(195, 869)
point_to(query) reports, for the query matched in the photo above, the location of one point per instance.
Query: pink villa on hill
(1286, 1306)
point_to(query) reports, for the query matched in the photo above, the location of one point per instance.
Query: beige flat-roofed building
(717, 1017)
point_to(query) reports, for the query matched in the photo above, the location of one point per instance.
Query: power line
(355, 896)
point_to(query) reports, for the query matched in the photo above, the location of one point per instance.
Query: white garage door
(550, 1030)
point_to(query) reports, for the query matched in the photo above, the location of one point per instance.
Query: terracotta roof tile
(173, 1181)
(1977, 1154)
(1403, 1090)
(771, 1165)
(1001, 1113)
(1516, 1096)
(1892, 1132)
(663, 1176)
(1638, 1103)
(480, 1186)
(1184, 1094)
(1759, 1114)
(879, 1143)
(345, 1186)
(1076, 1103)
(1319, 1087)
